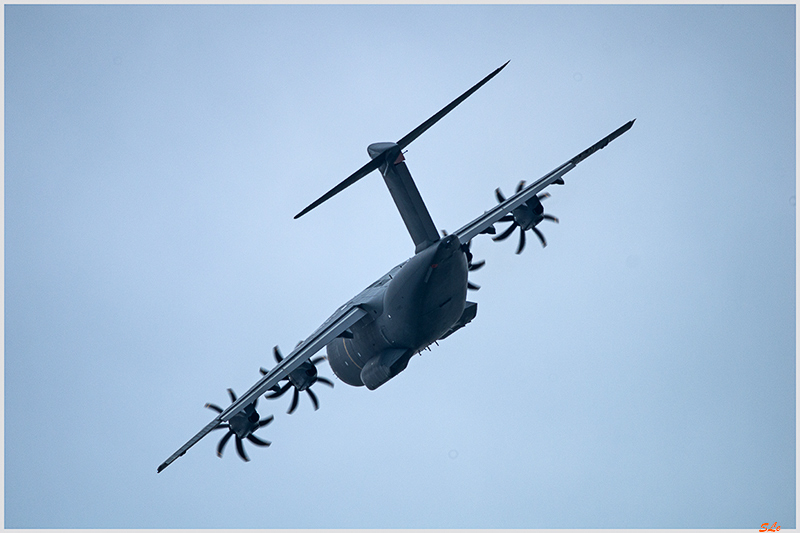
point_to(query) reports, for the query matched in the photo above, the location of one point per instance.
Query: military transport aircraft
(370, 339)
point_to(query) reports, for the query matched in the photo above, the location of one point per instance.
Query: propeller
(470, 265)
(241, 426)
(525, 217)
(301, 379)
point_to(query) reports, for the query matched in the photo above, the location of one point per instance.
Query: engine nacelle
(303, 376)
(529, 214)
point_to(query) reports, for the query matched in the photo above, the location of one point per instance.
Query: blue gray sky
(638, 372)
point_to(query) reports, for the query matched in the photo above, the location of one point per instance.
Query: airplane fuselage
(419, 304)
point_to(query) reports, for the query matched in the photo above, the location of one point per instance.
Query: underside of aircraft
(371, 338)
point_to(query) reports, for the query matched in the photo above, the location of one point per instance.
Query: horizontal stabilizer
(354, 177)
(419, 130)
(402, 143)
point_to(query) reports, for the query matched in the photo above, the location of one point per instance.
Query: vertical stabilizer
(405, 195)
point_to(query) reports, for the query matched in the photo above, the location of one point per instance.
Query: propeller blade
(499, 195)
(294, 401)
(214, 407)
(276, 352)
(551, 218)
(313, 398)
(354, 177)
(326, 381)
(249, 417)
(258, 442)
(521, 241)
(521, 185)
(280, 392)
(472, 286)
(477, 266)
(543, 196)
(419, 130)
(507, 218)
(223, 441)
(541, 237)
(240, 449)
(506, 233)
(466, 251)
(263, 371)
(317, 360)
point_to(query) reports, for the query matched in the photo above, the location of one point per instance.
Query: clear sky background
(638, 372)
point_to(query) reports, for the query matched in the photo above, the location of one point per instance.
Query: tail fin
(405, 195)
(384, 156)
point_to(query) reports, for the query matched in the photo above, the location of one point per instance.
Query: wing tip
(310, 207)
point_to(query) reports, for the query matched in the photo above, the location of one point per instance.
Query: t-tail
(388, 157)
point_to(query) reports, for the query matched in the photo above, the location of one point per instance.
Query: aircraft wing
(466, 233)
(343, 318)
